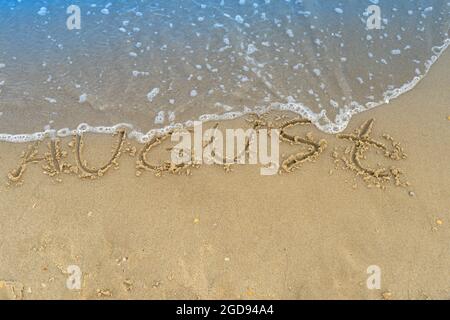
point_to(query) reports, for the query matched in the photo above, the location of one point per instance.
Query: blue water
(158, 64)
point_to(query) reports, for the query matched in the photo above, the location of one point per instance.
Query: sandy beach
(211, 234)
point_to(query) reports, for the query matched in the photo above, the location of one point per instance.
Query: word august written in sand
(56, 159)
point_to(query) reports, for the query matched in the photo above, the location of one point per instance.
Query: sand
(212, 234)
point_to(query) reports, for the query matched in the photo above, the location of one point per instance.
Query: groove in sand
(93, 172)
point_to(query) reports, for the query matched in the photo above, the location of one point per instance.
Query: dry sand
(307, 234)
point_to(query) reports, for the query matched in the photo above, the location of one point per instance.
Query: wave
(316, 59)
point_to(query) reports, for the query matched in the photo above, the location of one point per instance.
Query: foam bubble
(42, 11)
(152, 94)
(83, 98)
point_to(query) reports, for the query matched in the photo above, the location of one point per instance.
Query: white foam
(42, 11)
(152, 94)
(83, 98)
(50, 100)
(159, 119)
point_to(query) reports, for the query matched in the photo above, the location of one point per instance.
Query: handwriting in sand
(55, 160)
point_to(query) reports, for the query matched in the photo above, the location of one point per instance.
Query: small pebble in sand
(387, 295)
(119, 261)
(439, 222)
(448, 118)
(250, 292)
(128, 284)
(104, 293)
(196, 220)
(411, 194)
(227, 259)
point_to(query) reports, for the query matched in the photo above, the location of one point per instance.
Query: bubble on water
(42, 11)
(159, 119)
(83, 98)
(50, 100)
(152, 94)
(290, 33)
(251, 49)
(239, 19)
(171, 116)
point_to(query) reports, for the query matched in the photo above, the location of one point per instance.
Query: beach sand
(312, 233)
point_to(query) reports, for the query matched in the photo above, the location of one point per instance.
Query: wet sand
(211, 234)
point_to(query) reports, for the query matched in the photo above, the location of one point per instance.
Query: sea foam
(153, 67)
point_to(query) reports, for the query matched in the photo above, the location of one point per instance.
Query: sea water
(76, 66)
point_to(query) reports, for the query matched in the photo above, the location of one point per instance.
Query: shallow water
(158, 64)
